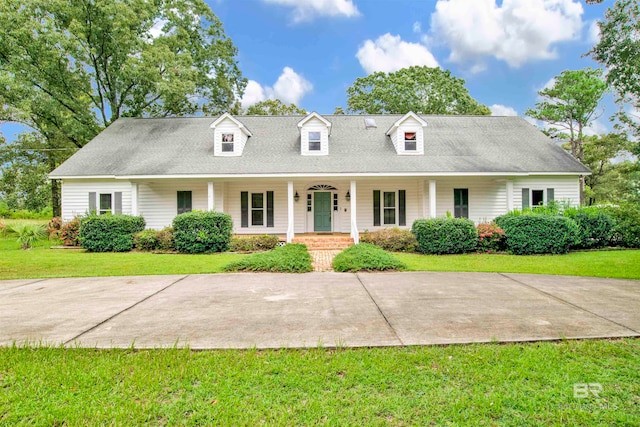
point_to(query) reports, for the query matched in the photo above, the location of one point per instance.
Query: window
(537, 198)
(389, 216)
(410, 141)
(184, 201)
(461, 202)
(389, 207)
(314, 141)
(227, 143)
(105, 204)
(256, 209)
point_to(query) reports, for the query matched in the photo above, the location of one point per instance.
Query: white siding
(239, 138)
(487, 196)
(397, 137)
(364, 204)
(75, 195)
(314, 125)
(566, 188)
(158, 200)
(232, 206)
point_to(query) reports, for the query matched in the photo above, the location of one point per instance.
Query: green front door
(322, 211)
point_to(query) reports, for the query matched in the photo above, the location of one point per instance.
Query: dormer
(314, 135)
(407, 134)
(230, 136)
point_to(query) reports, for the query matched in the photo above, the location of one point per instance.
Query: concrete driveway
(314, 309)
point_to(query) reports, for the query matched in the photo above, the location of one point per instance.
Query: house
(289, 175)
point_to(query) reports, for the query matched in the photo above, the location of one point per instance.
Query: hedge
(445, 235)
(538, 234)
(290, 258)
(626, 231)
(263, 242)
(202, 232)
(391, 239)
(109, 233)
(366, 257)
(155, 240)
(595, 227)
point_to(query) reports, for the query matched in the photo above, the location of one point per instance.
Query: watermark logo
(584, 390)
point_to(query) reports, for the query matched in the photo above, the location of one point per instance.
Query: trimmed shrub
(626, 231)
(595, 227)
(391, 239)
(202, 232)
(445, 235)
(154, 240)
(70, 232)
(490, 237)
(264, 242)
(53, 227)
(290, 258)
(109, 233)
(538, 234)
(366, 257)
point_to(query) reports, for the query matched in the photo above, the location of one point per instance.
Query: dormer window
(227, 143)
(315, 143)
(410, 141)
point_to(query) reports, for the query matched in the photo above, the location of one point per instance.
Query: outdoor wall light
(296, 197)
(348, 196)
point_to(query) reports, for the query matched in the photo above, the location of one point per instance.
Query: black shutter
(117, 204)
(244, 209)
(550, 194)
(402, 211)
(525, 198)
(269, 208)
(376, 207)
(92, 203)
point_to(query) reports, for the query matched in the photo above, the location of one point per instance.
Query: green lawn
(622, 264)
(475, 385)
(44, 262)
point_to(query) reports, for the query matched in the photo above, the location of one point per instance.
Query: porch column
(509, 196)
(432, 198)
(134, 199)
(211, 197)
(354, 223)
(290, 217)
(425, 198)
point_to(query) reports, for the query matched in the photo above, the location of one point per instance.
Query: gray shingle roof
(453, 144)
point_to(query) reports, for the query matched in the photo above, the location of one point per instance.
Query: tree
(422, 90)
(69, 69)
(338, 110)
(275, 107)
(614, 177)
(619, 51)
(570, 105)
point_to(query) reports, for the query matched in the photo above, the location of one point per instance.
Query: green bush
(626, 231)
(538, 234)
(490, 237)
(154, 240)
(202, 232)
(27, 234)
(595, 227)
(366, 257)
(70, 232)
(290, 258)
(391, 239)
(109, 233)
(264, 242)
(445, 235)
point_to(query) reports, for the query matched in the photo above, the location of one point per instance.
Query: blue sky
(310, 51)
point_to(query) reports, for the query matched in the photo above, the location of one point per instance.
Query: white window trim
(264, 209)
(415, 141)
(98, 203)
(396, 207)
(319, 140)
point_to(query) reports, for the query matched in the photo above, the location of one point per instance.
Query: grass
(41, 261)
(475, 385)
(621, 264)
(291, 258)
(366, 257)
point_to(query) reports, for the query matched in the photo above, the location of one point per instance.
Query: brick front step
(324, 243)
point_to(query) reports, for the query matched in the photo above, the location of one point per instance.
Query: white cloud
(290, 87)
(593, 36)
(517, 31)
(417, 27)
(502, 110)
(307, 10)
(596, 128)
(390, 53)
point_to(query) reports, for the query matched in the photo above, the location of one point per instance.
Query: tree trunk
(582, 201)
(55, 198)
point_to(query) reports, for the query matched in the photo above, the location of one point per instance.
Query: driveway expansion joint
(563, 301)
(124, 310)
(384, 316)
(25, 284)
